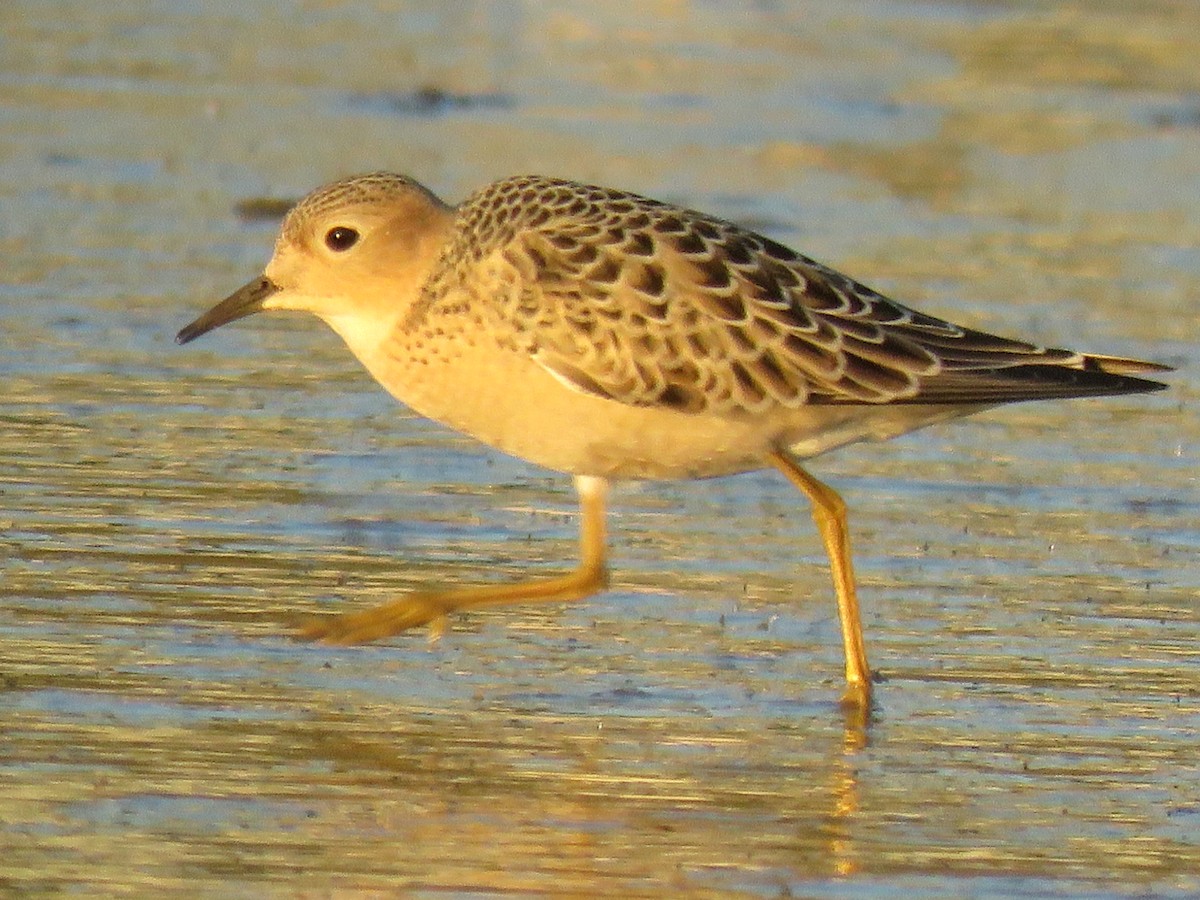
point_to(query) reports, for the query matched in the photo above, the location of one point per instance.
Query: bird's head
(354, 253)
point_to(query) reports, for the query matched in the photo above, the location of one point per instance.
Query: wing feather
(652, 305)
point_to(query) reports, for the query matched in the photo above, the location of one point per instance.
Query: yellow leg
(424, 607)
(829, 512)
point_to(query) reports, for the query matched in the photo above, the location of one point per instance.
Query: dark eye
(340, 238)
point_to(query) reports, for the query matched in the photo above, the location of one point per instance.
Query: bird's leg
(424, 607)
(829, 512)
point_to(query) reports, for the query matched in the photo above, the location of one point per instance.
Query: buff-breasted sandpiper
(610, 336)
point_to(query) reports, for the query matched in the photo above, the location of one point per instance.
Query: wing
(652, 305)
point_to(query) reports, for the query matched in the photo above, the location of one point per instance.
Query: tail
(1048, 375)
(1120, 365)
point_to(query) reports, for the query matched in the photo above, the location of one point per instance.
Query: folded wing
(648, 304)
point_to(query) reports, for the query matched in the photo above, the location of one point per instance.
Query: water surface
(1030, 578)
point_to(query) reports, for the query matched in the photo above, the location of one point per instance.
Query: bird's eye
(340, 238)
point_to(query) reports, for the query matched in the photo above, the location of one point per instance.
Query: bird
(612, 337)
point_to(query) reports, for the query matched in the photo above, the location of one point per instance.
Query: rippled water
(167, 515)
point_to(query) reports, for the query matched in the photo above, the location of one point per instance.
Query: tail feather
(1086, 376)
(1120, 365)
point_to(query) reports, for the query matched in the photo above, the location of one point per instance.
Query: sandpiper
(609, 336)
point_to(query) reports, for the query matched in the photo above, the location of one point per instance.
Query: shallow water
(1029, 578)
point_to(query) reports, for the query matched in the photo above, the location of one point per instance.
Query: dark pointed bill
(245, 301)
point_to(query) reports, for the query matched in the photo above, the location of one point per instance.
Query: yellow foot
(857, 699)
(432, 607)
(378, 622)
